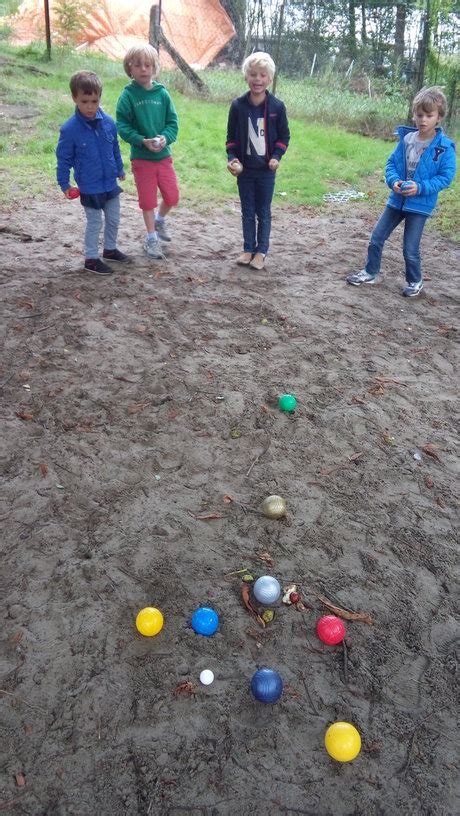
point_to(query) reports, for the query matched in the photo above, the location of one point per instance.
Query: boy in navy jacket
(257, 138)
(422, 164)
(88, 144)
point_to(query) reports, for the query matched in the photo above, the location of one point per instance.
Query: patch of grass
(321, 157)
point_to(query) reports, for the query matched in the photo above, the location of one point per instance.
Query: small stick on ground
(10, 694)
(345, 661)
(258, 457)
(307, 691)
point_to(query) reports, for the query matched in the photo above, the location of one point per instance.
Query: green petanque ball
(287, 403)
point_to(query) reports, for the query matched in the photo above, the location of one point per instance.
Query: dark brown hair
(86, 82)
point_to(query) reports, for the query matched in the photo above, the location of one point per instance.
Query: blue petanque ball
(205, 621)
(267, 589)
(267, 686)
(405, 185)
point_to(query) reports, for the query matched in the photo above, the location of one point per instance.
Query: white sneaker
(413, 289)
(162, 231)
(361, 277)
(152, 248)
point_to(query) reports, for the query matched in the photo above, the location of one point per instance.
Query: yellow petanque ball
(149, 621)
(342, 741)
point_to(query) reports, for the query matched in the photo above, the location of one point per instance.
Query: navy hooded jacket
(276, 128)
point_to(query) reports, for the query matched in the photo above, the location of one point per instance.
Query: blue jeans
(256, 192)
(94, 225)
(413, 228)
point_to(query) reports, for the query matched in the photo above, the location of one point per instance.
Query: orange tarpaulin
(198, 29)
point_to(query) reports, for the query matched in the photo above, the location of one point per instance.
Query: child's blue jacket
(92, 152)
(433, 173)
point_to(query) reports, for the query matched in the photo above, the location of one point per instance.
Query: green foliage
(70, 18)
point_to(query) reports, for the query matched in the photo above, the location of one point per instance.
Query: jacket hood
(403, 130)
(156, 86)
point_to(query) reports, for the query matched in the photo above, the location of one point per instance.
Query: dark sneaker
(361, 277)
(97, 266)
(116, 255)
(413, 289)
(162, 231)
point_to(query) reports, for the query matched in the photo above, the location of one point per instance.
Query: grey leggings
(94, 225)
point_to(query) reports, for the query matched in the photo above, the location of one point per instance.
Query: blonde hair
(430, 99)
(136, 52)
(263, 60)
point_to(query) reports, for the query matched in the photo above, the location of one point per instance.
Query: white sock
(159, 219)
(151, 235)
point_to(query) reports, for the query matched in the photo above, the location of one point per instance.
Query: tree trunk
(351, 30)
(423, 47)
(400, 32)
(363, 24)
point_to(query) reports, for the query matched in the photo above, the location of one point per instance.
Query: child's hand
(122, 178)
(408, 188)
(396, 186)
(155, 144)
(235, 167)
(72, 192)
(273, 164)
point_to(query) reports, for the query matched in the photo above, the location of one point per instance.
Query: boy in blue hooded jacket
(88, 145)
(422, 164)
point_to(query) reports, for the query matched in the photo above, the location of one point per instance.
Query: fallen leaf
(389, 440)
(445, 329)
(440, 501)
(267, 558)
(27, 304)
(206, 516)
(137, 406)
(430, 449)
(377, 390)
(355, 456)
(228, 499)
(429, 481)
(264, 409)
(25, 416)
(16, 638)
(358, 400)
(43, 468)
(245, 590)
(364, 617)
(124, 379)
(20, 780)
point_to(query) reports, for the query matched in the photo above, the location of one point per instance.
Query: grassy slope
(320, 158)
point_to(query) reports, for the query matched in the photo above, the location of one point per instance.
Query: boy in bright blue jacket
(422, 164)
(88, 144)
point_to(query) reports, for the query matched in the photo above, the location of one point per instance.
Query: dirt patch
(131, 408)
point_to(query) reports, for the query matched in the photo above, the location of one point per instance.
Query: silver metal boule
(274, 507)
(267, 589)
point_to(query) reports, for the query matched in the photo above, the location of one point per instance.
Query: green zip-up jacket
(143, 114)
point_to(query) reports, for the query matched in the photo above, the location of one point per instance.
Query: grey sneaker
(152, 248)
(361, 277)
(162, 231)
(413, 289)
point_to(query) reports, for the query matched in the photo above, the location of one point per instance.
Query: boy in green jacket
(147, 120)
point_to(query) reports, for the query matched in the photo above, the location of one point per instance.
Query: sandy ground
(131, 408)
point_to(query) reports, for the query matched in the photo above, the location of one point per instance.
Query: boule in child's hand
(236, 167)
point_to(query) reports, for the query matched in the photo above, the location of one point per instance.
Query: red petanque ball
(74, 192)
(330, 630)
